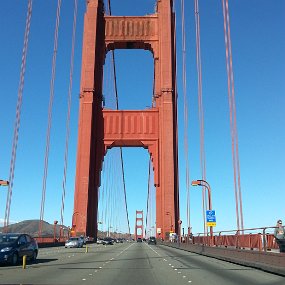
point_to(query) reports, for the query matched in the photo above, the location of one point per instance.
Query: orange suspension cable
(233, 124)
(18, 114)
(185, 103)
(49, 116)
(68, 111)
(148, 197)
(200, 104)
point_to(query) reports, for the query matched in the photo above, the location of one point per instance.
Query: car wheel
(34, 256)
(15, 259)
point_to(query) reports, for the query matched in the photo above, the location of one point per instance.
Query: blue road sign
(210, 215)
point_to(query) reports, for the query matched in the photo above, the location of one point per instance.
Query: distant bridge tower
(154, 129)
(139, 225)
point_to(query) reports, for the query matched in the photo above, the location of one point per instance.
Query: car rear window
(8, 238)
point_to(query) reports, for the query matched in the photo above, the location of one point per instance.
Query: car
(99, 241)
(152, 240)
(119, 240)
(139, 239)
(13, 246)
(74, 242)
(108, 240)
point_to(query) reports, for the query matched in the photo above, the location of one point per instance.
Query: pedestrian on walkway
(279, 234)
(279, 230)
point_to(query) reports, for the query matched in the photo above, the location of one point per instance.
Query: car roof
(11, 234)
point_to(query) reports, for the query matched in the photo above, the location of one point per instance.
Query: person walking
(279, 234)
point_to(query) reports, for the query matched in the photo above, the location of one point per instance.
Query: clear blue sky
(258, 43)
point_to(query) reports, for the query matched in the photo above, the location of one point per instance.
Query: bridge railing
(252, 238)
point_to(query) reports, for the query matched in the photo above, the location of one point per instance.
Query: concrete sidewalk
(273, 262)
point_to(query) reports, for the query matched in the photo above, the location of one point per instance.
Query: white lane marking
(90, 274)
(172, 266)
(83, 279)
(189, 281)
(106, 262)
(175, 269)
(169, 264)
(184, 276)
(153, 250)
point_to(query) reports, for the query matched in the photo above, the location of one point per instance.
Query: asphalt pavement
(131, 263)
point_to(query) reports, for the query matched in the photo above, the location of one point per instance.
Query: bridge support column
(90, 150)
(154, 129)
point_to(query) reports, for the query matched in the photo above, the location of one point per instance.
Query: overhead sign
(211, 218)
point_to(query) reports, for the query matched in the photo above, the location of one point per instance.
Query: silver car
(74, 242)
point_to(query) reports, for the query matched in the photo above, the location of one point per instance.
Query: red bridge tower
(154, 129)
(139, 225)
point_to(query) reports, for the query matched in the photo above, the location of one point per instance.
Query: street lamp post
(109, 233)
(4, 182)
(201, 182)
(54, 230)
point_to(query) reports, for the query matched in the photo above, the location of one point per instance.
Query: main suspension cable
(49, 116)
(18, 114)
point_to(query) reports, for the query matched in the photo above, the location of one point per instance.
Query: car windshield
(8, 238)
(73, 239)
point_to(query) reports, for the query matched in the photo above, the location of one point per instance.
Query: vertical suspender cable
(234, 118)
(121, 151)
(49, 116)
(200, 103)
(68, 111)
(233, 124)
(148, 205)
(185, 103)
(18, 114)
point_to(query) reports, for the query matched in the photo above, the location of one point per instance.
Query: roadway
(131, 263)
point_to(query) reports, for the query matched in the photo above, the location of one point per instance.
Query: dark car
(108, 240)
(14, 246)
(152, 240)
(139, 239)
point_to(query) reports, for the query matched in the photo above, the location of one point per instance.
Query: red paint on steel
(139, 225)
(100, 129)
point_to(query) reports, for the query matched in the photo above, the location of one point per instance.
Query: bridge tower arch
(154, 129)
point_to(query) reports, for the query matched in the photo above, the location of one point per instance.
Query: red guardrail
(259, 239)
(49, 239)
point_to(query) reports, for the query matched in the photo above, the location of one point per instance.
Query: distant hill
(32, 227)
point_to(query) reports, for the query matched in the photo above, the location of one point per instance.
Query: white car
(74, 242)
